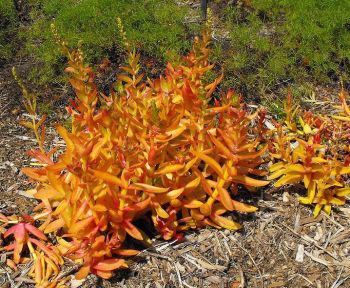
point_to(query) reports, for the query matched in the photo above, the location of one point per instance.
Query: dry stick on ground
(225, 244)
(156, 255)
(317, 259)
(333, 221)
(336, 280)
(241, 275)
(187, 285)
(240, 270)
(305, 278)
(191, 260)
(70, 270)
(178, 275)
(309, 241)
(251, 258)
(336, 285)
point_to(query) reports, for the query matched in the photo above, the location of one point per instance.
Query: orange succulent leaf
(225, 199)
(211, 162)
(149, 188)
(126, 252)
(21, 233)
(311, 151)
(248, 181)
(83, 272)
(133, 231)
(225, 223)
(110, 264)
(35, 174)
(54, 226)
(169, 169)
(83, 226)
(241, 207)
(109, 178)
(45, 271)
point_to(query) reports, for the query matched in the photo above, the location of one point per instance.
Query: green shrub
(278, 42)
(8, 19)
(154, 26)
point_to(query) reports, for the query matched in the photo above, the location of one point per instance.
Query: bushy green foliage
(8, 19)
(154, 26)
(274, 42)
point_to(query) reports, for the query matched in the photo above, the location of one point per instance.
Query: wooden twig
(251, 258)
(309, 241)
(157, 255)
(178, 275)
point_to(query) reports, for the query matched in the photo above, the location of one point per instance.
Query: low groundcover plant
(313, 150)
(164, 150)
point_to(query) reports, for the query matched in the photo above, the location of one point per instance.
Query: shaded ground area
(281, 245)
(14, 141)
